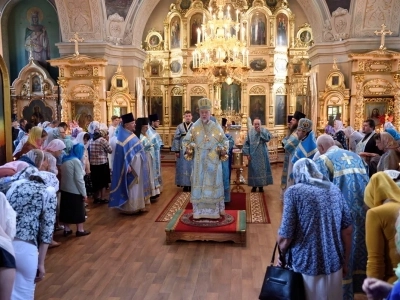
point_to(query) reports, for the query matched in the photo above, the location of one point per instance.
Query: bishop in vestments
(207, 142)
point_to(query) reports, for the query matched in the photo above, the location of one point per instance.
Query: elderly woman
(52, 151)
(353, 136)
(33, 197)
(316, 228)
(377, 289)
(73, 192)
(35, 141)
(339, 134)
(7, 256)
(391, 158)
(382, 197)
(99, 168)
(33, 158)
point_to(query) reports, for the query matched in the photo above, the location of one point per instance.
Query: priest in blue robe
(307, 146)
(158, 143)
(226, 165)
(207, 145)
(129, 177)
(256, 150)
(183, 167)
(290, 144)
(348, 172)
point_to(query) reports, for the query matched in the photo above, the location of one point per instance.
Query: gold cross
(383, 33)
(348, 158)
(76, 39)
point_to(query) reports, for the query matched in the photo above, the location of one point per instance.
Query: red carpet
(254, 204)
(235, 231)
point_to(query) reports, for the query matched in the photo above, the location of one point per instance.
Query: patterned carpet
(254, 204)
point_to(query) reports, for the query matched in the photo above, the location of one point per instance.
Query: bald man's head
(324, 142)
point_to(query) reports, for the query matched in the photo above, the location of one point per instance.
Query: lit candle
(237, 15)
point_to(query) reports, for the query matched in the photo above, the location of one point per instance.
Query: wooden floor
(126, 257)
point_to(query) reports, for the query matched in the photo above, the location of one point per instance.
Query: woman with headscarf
(391, 158)
(33, 197)
(35, 141)
(99, 168)
(7, 256)
(339, 134)
(316, 228)
(83, 138)
(73, 192)
(34, 158)
(52, 151)
(382, 197)
(353, 136)
(395, 134)
(93, 127)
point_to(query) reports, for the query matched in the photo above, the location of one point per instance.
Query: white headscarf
(348, 131)
(33, 155)
(45, 124)
(338, 126)
(79, 139)
(93, 126)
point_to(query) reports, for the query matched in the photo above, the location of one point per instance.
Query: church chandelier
(221, 49)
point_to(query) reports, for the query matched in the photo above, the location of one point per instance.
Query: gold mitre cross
(383, 33)
(76, 39)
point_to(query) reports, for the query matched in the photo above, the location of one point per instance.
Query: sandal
(67, 232)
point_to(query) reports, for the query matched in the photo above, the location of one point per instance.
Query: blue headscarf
(393, 133)
(76, 152)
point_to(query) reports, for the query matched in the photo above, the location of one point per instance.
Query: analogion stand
(237, 166)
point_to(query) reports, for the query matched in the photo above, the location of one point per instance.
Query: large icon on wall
(195, 23)
(175, 32)
(258, 29)
(282, 29)
(230, 97)
(36, 38)
(175, 66)
(194, 107)
(156, 106)
(257, 107)
(280, 110)
(258, 64)
(37, 112)
(176, 110)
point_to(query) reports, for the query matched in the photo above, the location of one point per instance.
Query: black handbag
(282, 282)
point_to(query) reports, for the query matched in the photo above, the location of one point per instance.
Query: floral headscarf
(305, 171)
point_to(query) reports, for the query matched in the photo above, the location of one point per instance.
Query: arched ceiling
(127, 27)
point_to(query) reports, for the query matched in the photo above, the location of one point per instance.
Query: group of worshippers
(203, 153)
(324, 199)
(136, 173)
